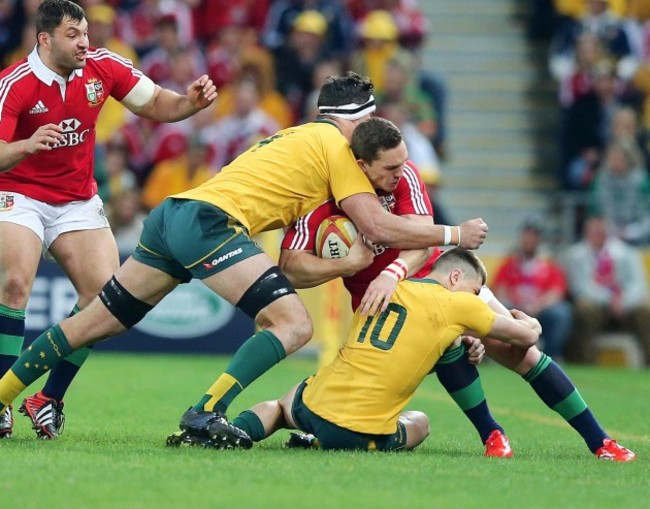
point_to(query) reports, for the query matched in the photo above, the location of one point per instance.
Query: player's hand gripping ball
(334, 237)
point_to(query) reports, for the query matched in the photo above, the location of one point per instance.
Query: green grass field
(121, 408)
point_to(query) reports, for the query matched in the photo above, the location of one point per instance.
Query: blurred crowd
(599, 56)
(268, 59)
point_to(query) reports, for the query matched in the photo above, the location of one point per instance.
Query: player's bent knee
(417, 427)
(128, 309)
(269, 287)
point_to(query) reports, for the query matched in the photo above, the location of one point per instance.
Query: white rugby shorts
(49, 221)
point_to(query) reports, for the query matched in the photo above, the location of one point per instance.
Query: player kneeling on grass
(356, 401)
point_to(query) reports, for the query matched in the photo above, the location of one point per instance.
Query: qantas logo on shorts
(217, 261)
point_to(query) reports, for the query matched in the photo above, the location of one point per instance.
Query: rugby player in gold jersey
(206, 233)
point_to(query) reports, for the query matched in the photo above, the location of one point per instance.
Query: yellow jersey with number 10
(284, 177)
(386, 356)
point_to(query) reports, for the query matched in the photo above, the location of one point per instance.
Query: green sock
(62, 376)
(463, 383)
(254, 358)
(12, 334)
(43, 354)
(47, 351)
(251, 424)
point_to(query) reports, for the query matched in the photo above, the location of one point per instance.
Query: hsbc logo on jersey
(69, 124)
(71, 135)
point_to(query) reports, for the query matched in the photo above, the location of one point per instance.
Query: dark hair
(462, 259)
(534, 223)
(50, 14)
(346, 89)
(372, 136)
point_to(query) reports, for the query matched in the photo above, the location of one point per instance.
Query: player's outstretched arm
(389, 230)
(519, 329)
(44, 138)
(169, 106)
(306, 270)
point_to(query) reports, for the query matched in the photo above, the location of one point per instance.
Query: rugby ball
(334, 237)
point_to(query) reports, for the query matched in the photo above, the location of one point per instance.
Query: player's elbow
(375, 232)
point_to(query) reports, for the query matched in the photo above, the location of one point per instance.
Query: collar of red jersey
(44, 73)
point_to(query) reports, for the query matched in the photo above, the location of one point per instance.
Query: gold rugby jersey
(386, 357)
(284, 177)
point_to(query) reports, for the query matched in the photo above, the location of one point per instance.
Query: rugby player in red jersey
(49, 104)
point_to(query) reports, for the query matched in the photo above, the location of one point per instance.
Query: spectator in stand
(411, 22)
(14, 17)
(247, 125)
(529, 280)
(177, 175)
(604, 24)
(211, 17)
(607, 281)
(157, 63)
(232, 47)
(101, 31)
(282, 14)
(625, 126)
(621, 192)
(297, 59)
(271, 101)
(137, 27)
(587, 125)
(27, 38)
(576, 78)
(379, 45)
(400, 87)
(161, 141)
(181, 68)
(119, 175)
(126, 217)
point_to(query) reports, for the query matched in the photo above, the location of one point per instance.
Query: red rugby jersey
(409, 197)
(32, 95)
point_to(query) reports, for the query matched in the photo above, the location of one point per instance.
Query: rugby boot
(497, 445)
(214, 426)
(7, 423)
(614, 452)
(301, 441)
(46, 415)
